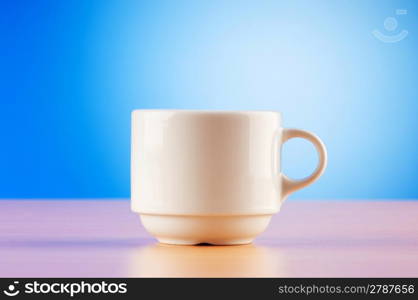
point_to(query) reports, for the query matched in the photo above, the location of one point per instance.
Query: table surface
(306, 239)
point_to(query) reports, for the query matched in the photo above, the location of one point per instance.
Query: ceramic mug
(211, 176)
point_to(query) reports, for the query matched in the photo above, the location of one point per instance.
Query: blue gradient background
(71, 72)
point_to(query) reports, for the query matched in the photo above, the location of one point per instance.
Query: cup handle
(291, 185)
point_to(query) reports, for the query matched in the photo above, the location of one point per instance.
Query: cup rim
(204, 111)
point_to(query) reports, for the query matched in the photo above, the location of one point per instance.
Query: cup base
(215, 230)
(215, 242)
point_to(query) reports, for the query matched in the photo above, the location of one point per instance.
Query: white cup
(211, 176)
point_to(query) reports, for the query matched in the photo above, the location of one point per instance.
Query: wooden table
(306, 239)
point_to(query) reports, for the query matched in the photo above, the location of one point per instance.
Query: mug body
(205, 176)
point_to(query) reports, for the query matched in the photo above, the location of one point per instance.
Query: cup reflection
(162, 260)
